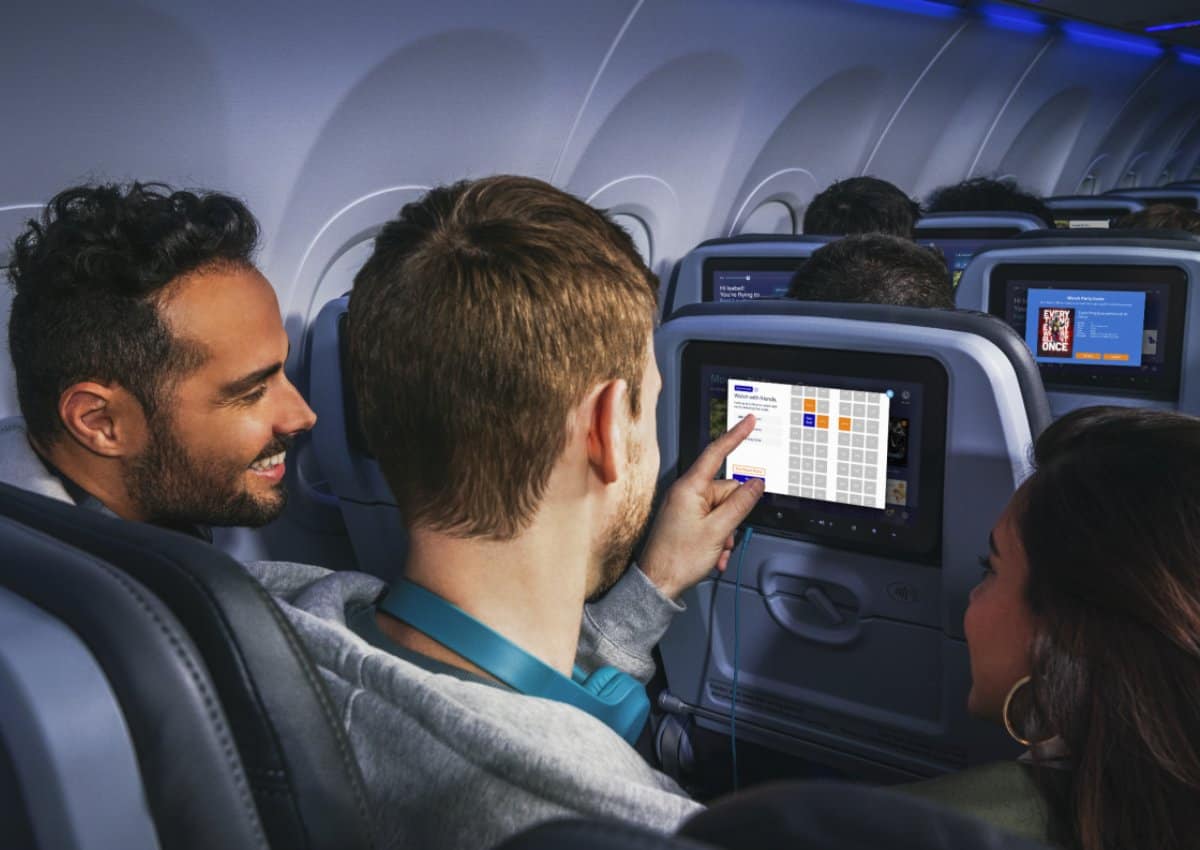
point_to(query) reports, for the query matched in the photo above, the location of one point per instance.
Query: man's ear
(606, 431)
(106, 420)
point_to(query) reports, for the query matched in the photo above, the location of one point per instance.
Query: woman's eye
(986, 565)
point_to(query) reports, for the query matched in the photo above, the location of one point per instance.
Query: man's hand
(693, 531)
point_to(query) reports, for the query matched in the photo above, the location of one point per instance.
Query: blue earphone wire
(737, 604)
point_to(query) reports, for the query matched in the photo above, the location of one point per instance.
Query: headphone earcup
(610, 685)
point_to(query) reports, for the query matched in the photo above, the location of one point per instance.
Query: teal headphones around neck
(614, 698)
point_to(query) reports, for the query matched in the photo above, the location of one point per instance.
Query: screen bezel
(749, 264)
(790, 516)
(1080, 378)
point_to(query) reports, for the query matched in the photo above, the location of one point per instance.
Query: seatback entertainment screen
(957, 253)
(1109, 328)
(748, 278)
(1088, 219)
(850, 445)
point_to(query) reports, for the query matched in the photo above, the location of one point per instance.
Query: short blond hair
(486, 312)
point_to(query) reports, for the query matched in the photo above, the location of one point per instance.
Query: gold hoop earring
(1008, 725)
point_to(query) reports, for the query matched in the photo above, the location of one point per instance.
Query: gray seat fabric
(305, 782)
(193, 781)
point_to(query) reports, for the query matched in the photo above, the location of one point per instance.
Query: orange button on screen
(810, 405)
(822, 421)
(844, 423)
(1086, 355)
(1123, 358)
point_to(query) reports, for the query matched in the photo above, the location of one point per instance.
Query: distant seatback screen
(1088, 219)
(748, 278)
(850, 445)
(957, 253)
(1102, 328)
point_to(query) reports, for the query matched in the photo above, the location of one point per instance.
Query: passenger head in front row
(1161, 217)
(149, 353)
(875, 269)
(1084, 638)
(861, 205)
(985, 194)
(500, 343)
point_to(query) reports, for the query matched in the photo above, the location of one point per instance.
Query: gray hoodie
(452, 761)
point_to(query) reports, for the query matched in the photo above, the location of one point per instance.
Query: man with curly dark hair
(861, 205)
(985, 194)
(149, 353)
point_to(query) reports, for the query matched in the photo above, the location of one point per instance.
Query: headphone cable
(737, 604)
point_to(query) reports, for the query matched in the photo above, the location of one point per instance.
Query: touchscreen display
(1087, 219)
(816, 442)
(958, 254)
(1097, 327)
(850, 445)
(748, 279)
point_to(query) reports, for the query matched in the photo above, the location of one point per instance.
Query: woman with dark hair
(1084, 639)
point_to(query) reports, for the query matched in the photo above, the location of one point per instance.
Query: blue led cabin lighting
(1111, 40)
(1010, 18)
(1181, 25)
(921, 7)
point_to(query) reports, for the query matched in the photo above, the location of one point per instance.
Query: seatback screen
(748, 278)
(1105, 328)
(958, 253)
(850, 445)
(1088, 219)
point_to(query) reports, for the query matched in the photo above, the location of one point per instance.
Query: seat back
(1081, 212)
(187, 774)
(1181, 196)
(739, 268)
(366, 502)
(960, 236)
(975, 225)
(847, 607)
(299, 767)
(1131, 332)
(59, 788)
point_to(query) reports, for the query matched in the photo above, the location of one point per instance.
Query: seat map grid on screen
(850, 445)
(813, 442)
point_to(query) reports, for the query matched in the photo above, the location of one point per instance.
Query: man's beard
(626, 529)
(176, 490)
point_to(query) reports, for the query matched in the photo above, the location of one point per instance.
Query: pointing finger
(710, 460)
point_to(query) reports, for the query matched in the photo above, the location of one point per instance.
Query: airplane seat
(983, 224)
(822, 815)
(890, 439)
(582, 834)
(366, 502)
(1182, 196)
(959, 236)
(1111, 316)
(1083, 212)
(739, 268)
(300, 772)
(108, 711)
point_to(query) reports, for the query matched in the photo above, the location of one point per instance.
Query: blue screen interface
(1094, 327)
